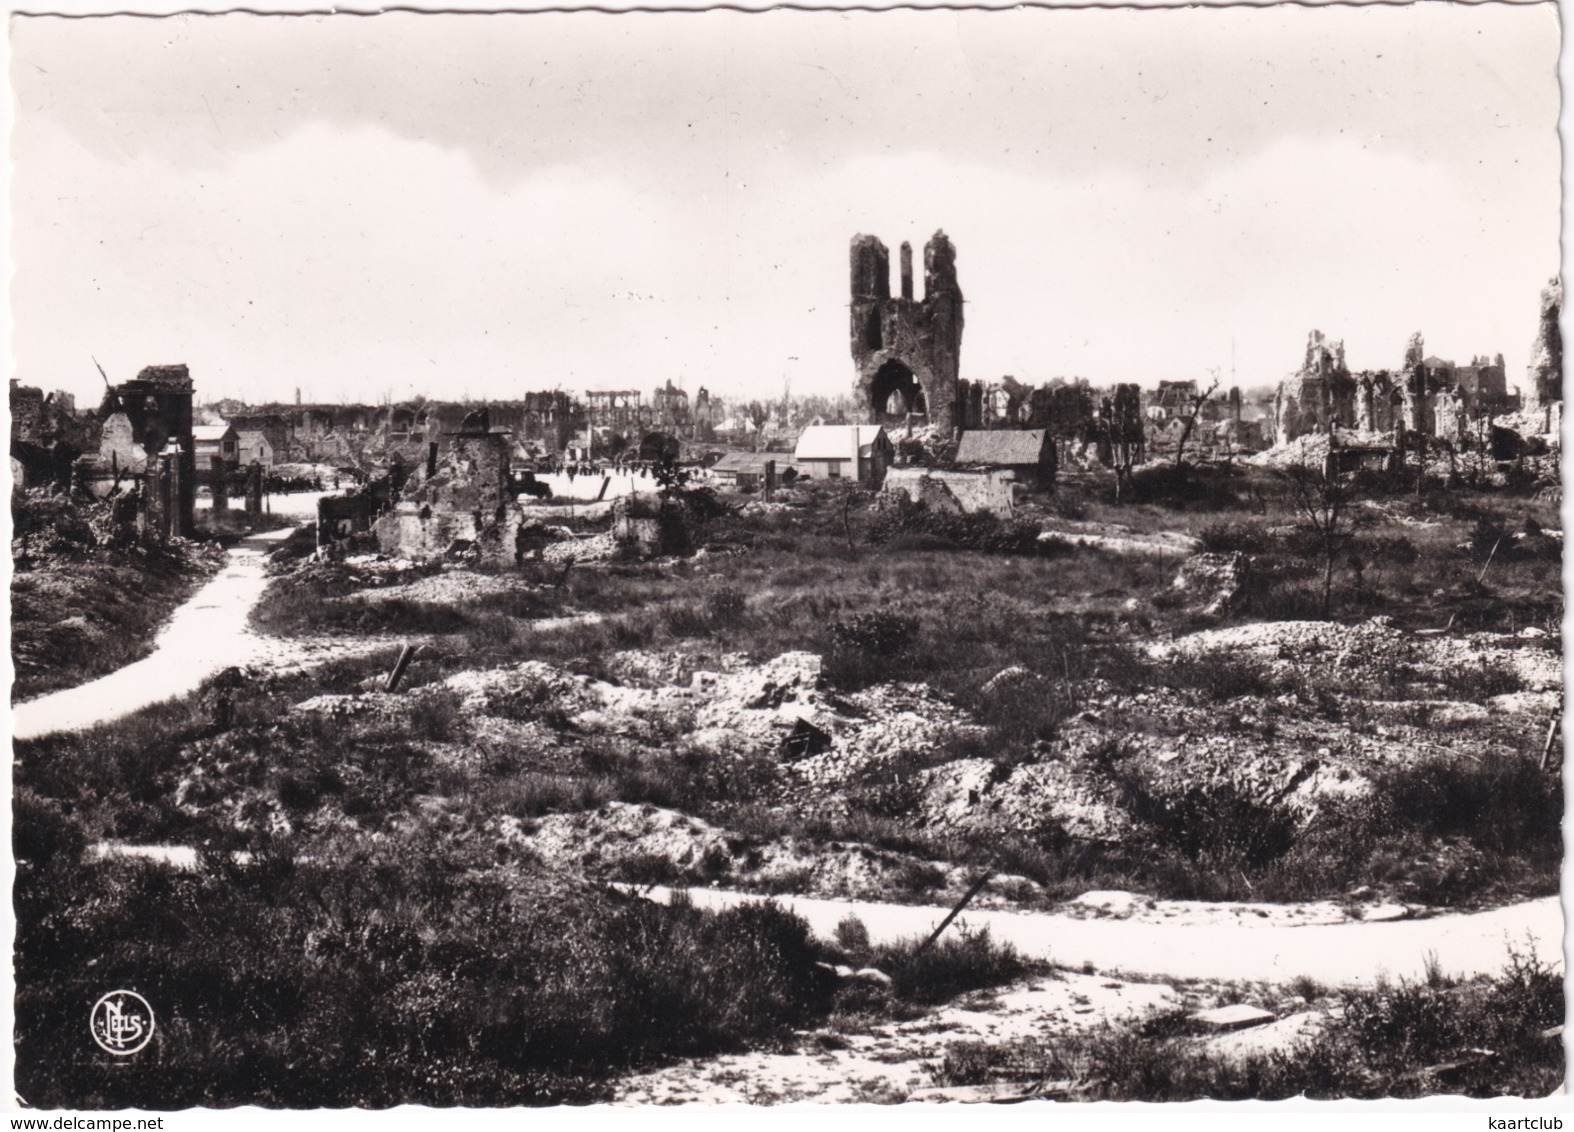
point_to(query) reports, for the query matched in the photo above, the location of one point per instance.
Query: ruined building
(463, 501)
(47, 434)
(1426, 396)
(1544, 376)
(146, 433)
(671, 407)
(907, 350)
(1318, 396)
(544, 421)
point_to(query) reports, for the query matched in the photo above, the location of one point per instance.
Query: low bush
(901, 518)
(1214, 822)
(1479, 1038)
(405, 973)
(961, 960)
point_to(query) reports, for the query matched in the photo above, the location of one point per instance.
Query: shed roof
(751, 462)
(211, 432)
(1012, 447)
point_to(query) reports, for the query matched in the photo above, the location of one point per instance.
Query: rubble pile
(619, 838)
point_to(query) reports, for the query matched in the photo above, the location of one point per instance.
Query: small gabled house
(1029, 452)
(208, 441)
(860, 453)
(253, 446)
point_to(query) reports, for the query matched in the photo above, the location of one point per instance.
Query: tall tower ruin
(907, 351)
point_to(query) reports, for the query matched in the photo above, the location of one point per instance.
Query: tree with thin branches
(1197, 401)
(1320, 498)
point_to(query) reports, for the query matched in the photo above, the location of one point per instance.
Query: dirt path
(206, 634)
(1225, 946)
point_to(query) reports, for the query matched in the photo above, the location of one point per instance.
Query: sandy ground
(1218, 942)
(205, 635)
(1116, 539)
(891, 1061)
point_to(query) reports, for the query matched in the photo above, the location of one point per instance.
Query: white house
(856, 452)
(213, 440)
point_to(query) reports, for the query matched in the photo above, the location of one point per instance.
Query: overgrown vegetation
(514, 983)
(1485, 1037)
(406, 971)
(86, 596)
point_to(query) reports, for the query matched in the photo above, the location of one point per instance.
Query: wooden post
(1552, 733)
(405, 656)
(960, 904)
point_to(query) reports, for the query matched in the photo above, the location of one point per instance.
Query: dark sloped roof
(1010, 447)
(751, 462)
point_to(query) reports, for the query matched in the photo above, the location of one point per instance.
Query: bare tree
(1321, 498)
(1122, 426)
(758, 414)
(1197, 401)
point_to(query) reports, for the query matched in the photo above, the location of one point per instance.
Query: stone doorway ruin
(895, 393)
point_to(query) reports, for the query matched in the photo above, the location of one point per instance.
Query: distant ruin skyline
(488, 205)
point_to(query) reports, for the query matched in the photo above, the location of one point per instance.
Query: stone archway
(895, 392)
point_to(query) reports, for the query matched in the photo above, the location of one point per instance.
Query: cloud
(416, 205)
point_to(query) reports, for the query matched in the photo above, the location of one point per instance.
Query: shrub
(1505, 804)
(1218, 677)
(901, 518)
(1212, 821)
(879, 632)
(963, 960)
(269, 978)
(853, 937)
(1228, 537)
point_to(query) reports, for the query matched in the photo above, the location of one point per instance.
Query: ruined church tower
(907, 351)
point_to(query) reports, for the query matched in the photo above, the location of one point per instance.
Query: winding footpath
(1348, 954)
(205, 635)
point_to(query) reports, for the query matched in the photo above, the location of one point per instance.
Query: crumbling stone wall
(157, 402)
(466, 505)
(1415, 384)
(47, 434)
(969, 492)
(1544, 376)
(902, 346)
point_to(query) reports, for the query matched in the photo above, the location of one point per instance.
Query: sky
(481, 205)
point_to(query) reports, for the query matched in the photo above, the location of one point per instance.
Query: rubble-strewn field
(840, 700)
